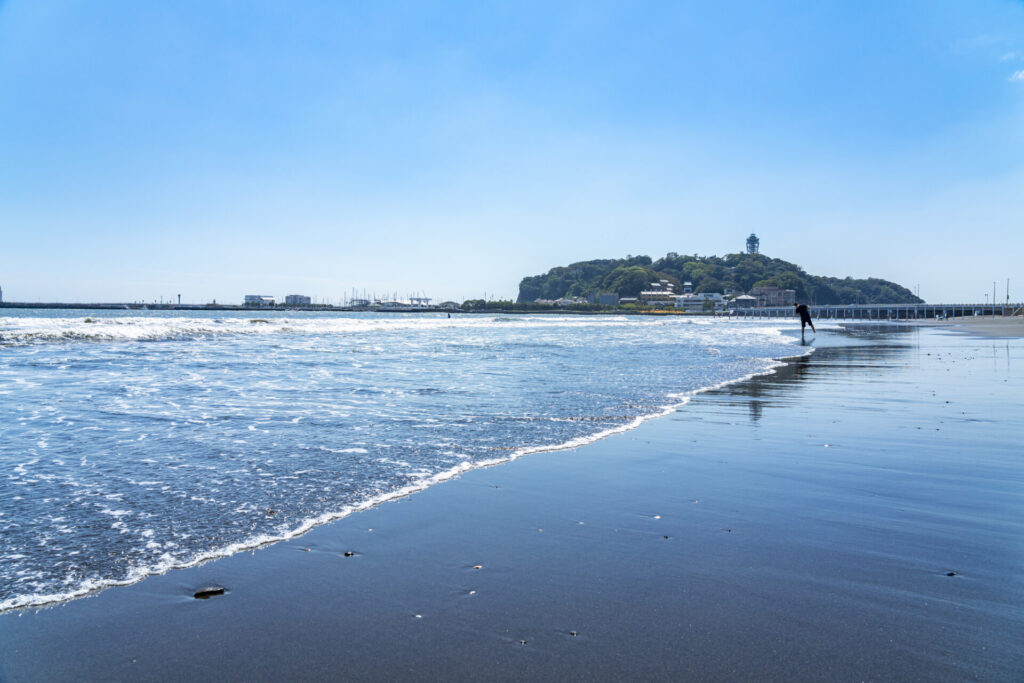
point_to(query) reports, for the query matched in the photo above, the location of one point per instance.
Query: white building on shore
(297, 300)
(700, 303)
(660, 294)
(259, 301)
(743, 301)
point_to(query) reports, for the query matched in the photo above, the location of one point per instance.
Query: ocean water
(132, 443)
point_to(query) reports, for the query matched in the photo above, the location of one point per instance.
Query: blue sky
(215, 149)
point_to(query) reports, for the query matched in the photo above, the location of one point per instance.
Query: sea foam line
(138, 574)
(16, 331)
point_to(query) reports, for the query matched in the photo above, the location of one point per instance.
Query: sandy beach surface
(858, 515)
(996, 326)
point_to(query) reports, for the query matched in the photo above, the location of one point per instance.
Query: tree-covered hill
(738, 272)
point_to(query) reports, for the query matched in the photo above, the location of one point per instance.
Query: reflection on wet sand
(780, 387)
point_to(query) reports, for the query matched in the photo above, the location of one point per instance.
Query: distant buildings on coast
(258, 301)
(413, 303)
(662, 294)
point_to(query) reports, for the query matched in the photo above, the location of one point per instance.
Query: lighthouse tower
(753, 244)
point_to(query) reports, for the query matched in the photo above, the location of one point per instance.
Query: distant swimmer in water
(805, 318)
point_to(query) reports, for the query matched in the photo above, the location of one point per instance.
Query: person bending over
(805, 318)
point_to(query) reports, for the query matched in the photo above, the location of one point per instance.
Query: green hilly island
(738, 273)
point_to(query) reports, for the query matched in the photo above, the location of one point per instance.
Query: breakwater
(887, 311)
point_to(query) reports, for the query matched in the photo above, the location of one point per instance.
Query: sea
(136, 442)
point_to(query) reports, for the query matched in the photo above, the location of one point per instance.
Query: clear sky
(216, 149)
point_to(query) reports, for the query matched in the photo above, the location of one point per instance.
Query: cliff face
(739, 272)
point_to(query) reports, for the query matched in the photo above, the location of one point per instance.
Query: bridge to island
(821, 312)
(886, 311)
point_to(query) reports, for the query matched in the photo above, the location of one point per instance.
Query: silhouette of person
(805, 318)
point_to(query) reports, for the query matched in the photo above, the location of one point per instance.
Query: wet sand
(857, 515)
(997, 326)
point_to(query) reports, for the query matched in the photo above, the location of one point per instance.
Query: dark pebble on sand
(950, 573)
(349, 553)
(208, 592)
(574, 633)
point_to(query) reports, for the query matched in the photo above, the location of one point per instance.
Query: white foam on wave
(139, 327)
(27, 329)
(168, 562)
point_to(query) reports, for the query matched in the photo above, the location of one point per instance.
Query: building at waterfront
(773, 296)
(700, 303)
(297, 300)
(604, 298)
(743, 301)
(661, 293)
(259, 301)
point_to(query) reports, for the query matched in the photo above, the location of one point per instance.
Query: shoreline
(641, 554)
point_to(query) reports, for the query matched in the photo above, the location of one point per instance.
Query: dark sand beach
(995, 326)
(857, 515)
